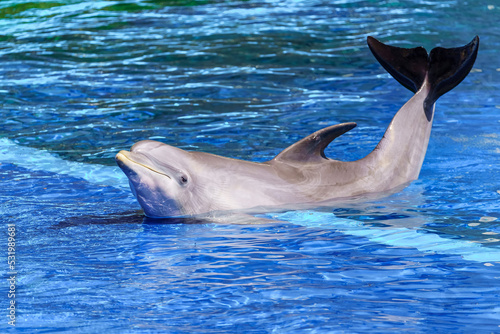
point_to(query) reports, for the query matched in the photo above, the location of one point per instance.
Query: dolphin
(170, 182)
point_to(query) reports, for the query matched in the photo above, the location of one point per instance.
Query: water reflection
(84, 79)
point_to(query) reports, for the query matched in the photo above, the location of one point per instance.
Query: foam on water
(395, 236)
(33, 159)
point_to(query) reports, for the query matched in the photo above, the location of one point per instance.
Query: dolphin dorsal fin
(312, 147)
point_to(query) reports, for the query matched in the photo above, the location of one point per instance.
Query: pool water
(82, 80)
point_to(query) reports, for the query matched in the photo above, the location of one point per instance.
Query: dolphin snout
(127, 160)
(120, 157)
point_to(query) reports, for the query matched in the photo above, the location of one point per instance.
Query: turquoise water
(82, 80)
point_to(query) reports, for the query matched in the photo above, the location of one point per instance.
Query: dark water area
(82, 80)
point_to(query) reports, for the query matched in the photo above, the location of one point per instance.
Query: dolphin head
(159, 176)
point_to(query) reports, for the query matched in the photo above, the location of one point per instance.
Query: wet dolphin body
(168, 181)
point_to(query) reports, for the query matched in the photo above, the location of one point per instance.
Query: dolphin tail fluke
(448, 67)
(442, 69)
(408, 66)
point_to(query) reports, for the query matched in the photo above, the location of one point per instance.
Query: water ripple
(84, 79)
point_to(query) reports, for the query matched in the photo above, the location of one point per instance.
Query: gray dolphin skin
(170, 182)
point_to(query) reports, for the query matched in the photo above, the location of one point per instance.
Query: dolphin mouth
(124, 156)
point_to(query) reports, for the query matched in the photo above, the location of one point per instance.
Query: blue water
(82, 80)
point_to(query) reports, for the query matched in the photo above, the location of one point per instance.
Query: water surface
(82, 80)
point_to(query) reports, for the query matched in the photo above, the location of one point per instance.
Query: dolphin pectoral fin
(312, 147)
(408, 66)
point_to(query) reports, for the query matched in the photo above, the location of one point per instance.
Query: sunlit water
(83, 79)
